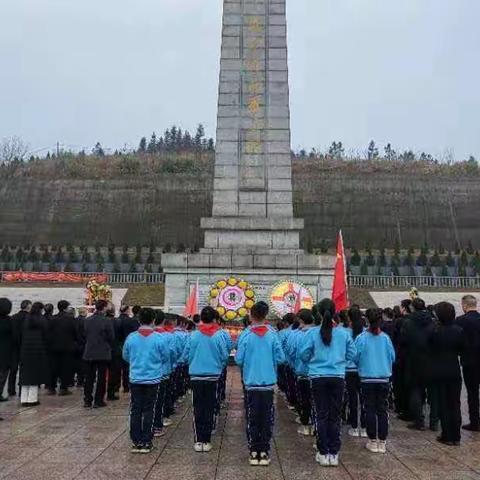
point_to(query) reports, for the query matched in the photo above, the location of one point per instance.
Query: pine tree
(152, 144)
(390, 153)
(199, 137)
(142, 147)
(98, 150)
(372, 152)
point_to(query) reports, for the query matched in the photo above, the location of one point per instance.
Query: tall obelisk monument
(252, 201)
(252, 232)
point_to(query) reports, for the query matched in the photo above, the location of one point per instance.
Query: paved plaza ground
(61, 440)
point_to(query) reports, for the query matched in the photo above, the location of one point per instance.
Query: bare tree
(12, 148)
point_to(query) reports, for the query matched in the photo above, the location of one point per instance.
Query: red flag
(191, 308)
(340, 285)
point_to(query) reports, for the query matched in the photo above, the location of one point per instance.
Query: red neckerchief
(145, 331)
(260, 330)
(165, 329)
(209, 329)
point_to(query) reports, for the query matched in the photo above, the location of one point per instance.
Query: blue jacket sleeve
(186, 351)
(306, 350)
(240, 355)
(278, 351)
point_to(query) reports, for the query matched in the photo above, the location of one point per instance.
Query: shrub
(356, 259)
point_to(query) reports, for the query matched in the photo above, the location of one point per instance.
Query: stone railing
(384, 282)
(120, 278)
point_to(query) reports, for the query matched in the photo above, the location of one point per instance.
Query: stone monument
(252, 232)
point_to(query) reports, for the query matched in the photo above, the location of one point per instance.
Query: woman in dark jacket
(34, 368)
(447, 345)
(6, 342)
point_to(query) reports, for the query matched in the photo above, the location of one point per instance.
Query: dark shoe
(87, 405)
(113, 398)
(448, 442)
(434, 427)
(471, 428)
(12, 393)
(51, 392)
(64, 393)
(3, 399)
(416, 426)
(99, 405)
(404, 417)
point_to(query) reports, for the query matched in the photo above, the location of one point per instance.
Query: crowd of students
(351, 366)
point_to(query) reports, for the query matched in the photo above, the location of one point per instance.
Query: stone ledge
(252, 223)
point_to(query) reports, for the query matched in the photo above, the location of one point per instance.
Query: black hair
(326, 308)
(136, 309)
(388, 312)
(356, 320)
(246, 321)
(280, 324)
(306, 316)
(396, 312)
(445, 312)
(146, 316)
(208, 315)
(418, 305)
(196, 319)
(407, 305)
(5, 307)
(124, 308)
(316, 315)
(260, 310)
(289, 318)
(190, 326)
(25, 304)
(37, 308)
(48, 309)
(343, 318)
(101, 305)
(159, 317)
(375, 317)
(62, 305)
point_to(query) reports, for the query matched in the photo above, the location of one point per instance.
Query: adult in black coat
(62, 343)
(6, 342)
(34, 365)
(99, 338)
(78, 367)
(18, 321)
(470, 322)
(115, 367)
(127, 325)
(416, 338)
(447, 344)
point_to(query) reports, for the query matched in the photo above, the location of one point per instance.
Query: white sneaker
(264, 459)
(207, 447)
(167, 422)
(372, 446)
(363, 433)
(323, 460)
(297, 420)
(354, 432)
(382, 447)
(315, 446)
(198, 447)
(253, 460)
(333, 460)
(291, 407)
(305, 430)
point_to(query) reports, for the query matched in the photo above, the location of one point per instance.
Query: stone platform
(59, 440)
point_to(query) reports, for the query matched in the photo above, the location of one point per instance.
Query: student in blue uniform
(146, 353)
(375, 357)
(207, 354)
(259, 354)
(327, 350)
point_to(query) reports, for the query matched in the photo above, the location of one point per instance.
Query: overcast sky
(400, 71)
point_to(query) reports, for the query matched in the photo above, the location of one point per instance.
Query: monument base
(262, 271)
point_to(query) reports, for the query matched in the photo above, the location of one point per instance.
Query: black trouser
(169, 408)
(79, 369)
(355, 399)
(282, 382)
(417, 401)
(142, 412)
(3, 378)
(375, 398)
(61, 368)
(400, 389)
(12, 376)
(292, 397)
(471, 375)
(260, 417)
(204, 397)
(114, 375)
(125, 376)
(95, 370)
(160, 405)
(327, 395)
(304, 400)
(450, 409)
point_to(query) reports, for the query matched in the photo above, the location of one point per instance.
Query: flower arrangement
(232, 298)
(98, 291)
(413, 293)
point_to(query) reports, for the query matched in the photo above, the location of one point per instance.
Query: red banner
(57, 277)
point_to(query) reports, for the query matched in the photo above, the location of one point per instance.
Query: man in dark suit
(17, 323)
(127, 325)
(470, 322)
(62, 342)
(99, 338)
